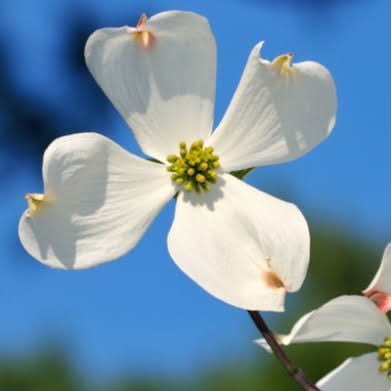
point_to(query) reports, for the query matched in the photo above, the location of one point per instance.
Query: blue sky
(106, 316)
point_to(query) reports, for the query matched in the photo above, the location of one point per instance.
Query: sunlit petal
(163, 86)
(277, 114)
(344, 319)
(98, 202)
(241, 245)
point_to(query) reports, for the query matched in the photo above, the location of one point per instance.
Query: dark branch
(295, 372)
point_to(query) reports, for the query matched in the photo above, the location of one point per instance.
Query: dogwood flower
(241, 245)
(349, 319)
(379, 290)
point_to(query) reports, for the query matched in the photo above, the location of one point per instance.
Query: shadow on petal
(61, 227)
(209, 198)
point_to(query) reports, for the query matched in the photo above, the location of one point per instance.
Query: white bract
(379, 290)
(241, 245)
(349, 319)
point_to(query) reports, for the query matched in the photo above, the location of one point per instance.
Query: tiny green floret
(385, 357)
(194, 168)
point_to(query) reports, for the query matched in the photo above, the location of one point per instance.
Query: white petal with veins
(100, 199)
(344, 319)
(241, 245)
(358, 374)
(165, 92)
(275, 116)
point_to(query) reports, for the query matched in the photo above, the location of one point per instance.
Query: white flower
(352, 319)
(379, 290)
(349, 319)
(241, 245)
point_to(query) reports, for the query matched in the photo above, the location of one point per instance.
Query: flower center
(385, 357)
(194, 168)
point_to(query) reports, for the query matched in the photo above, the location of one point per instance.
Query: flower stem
(295, 372)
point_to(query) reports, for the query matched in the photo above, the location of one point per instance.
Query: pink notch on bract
(143, 37)
(381, 299)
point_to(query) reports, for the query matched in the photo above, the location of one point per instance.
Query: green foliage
(48, 371)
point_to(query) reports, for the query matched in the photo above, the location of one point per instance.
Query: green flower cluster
(194, 168)
(385, 356)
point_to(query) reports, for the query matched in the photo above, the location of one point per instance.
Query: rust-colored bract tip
(272, 280)
(143, 37)
(380, 299)
(143, 19)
